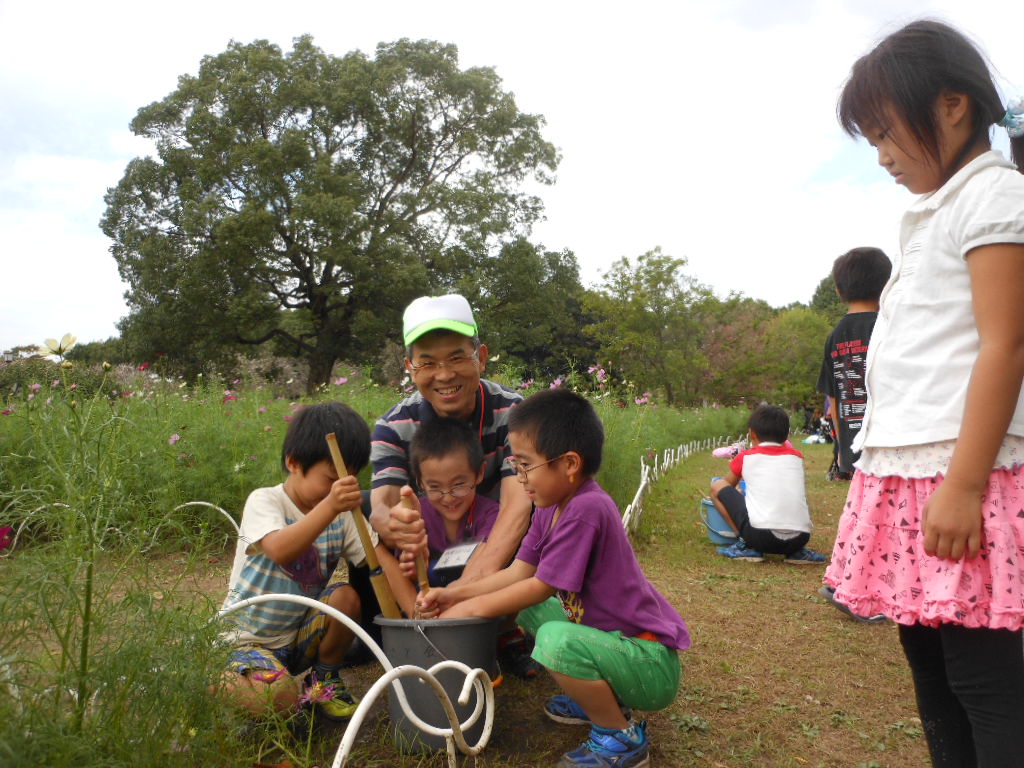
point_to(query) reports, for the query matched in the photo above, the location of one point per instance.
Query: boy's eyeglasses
(523, 470)
(456, 363)
(456, 492)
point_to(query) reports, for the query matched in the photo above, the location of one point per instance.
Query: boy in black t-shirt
(859, 276)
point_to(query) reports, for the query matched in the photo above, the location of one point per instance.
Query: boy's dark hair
(437, 438)
(306, 440)
(861, 274)
(559, 421)
(770, 423)
(907, 72)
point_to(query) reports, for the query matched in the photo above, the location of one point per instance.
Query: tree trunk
(320, 365)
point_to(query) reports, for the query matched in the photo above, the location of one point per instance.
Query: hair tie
(1013, 120)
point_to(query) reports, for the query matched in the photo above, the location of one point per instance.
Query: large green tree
(826, 301)
(305, 198)
(650, 323)
(529, 303)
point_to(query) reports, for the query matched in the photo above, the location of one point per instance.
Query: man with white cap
(445, 359)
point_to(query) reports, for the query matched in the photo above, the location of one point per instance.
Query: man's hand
(405, 525)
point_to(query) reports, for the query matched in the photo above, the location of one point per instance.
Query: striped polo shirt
(389, 450)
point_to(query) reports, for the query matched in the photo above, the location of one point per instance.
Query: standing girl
(933, 531)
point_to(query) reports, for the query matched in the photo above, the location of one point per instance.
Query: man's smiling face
(446, 369)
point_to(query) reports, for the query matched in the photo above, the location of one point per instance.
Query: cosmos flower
(59, 348)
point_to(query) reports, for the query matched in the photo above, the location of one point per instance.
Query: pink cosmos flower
(261, 410)
(144, 366)
(266, 428)
(340, 380)
(35, 387)
(556, 383)
(8, 411)
(316, 691)
(173, 439)
(5, 536)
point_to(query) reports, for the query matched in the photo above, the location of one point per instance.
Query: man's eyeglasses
(456, 492)
(523, 470)
(455, 363)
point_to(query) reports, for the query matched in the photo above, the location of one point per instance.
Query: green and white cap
(429, 313)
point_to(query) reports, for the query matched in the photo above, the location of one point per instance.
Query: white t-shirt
(925, 340)
(275, 624)
(776, 499)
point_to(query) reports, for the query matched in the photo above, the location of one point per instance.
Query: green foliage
(649, 323)
(305, 198)
(735, 347)
(826, 301)
(794, 342)
(529, 305)
(94, 666)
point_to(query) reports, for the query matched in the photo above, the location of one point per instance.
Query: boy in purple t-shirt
(602, 630)
(447, 461)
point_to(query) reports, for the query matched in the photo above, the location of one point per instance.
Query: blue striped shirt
(389, 450)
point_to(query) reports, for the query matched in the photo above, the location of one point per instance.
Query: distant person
(859, 276)
(606, 635)
(291, 539)
(772, 517)
(448, 464)
(933, 534)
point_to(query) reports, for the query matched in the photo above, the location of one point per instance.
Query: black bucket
(423, 643)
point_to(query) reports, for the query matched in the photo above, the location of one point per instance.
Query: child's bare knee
(346, 600)
(718, 485)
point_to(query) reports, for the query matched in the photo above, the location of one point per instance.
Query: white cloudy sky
(704, 127)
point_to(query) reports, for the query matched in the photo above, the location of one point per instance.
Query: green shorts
(644, 674)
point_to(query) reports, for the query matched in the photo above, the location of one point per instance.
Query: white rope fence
(651, 473)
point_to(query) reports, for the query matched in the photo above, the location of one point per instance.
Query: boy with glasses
(448, 464)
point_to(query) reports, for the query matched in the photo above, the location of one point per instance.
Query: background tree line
(299, 200)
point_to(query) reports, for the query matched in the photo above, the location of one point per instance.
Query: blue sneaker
(608, 748)
(806, 556)
(740, 551)
(563, 709)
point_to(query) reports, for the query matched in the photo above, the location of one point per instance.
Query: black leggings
(970, 693)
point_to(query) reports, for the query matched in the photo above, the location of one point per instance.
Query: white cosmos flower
(59, 348)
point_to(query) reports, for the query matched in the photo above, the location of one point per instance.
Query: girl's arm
(952, 516)
(504, 602)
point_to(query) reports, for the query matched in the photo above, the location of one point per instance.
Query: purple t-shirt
(476, 525)
(588, 559)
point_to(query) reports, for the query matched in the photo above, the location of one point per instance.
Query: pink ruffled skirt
(879, 564)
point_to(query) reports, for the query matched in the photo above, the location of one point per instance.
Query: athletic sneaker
(608, 748)
(563, 709)
(331, 697)
(740, 551)
(830, 594)
(806, 556)
(514, 655)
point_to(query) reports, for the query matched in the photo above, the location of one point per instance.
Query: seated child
(447, 461)
(773, 517)
(292, 536)
(602, 630)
